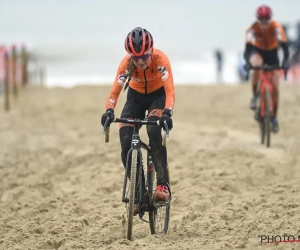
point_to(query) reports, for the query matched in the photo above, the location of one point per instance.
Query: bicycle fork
(135, 145)
(264, 99)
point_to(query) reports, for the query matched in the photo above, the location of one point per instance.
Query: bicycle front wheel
(258, 114)
(132, 188)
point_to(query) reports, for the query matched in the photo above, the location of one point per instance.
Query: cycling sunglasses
(144, 57)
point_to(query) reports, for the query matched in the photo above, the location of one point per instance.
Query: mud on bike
(265, 112)
(140, 181)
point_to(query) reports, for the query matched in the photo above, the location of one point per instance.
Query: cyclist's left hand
(166, 116)
(285, 65)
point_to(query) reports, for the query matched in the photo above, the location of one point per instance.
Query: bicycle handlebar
(266, 68)
(135, 121)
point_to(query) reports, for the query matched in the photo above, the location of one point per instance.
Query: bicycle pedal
(159, 204)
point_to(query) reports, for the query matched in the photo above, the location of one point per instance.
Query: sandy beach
(61, 183)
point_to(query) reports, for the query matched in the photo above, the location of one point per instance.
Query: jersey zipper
(145, 81)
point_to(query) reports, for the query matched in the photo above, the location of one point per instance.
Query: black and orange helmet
(139, 42)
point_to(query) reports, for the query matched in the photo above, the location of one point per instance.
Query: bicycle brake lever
(166, 129)
(105, 125)
(165, 126)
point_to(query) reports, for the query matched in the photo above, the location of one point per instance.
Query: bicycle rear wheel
(150, 178)
(132, 189)
(159, 216)
(267, 118)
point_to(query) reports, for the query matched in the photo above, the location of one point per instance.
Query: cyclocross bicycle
(264, 112)
(138, 193)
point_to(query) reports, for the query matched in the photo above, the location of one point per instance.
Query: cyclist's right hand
(247, 68)
(108, 114)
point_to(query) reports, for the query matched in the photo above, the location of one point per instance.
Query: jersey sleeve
(118, 84)
(165, 70)
(281, 36)
(249, 37)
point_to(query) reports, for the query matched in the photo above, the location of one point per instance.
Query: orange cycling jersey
(157, 75)
(268, 39)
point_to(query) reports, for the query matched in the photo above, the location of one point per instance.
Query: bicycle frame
(264, 76)
(137, 144)
(142, 180)
(265, 90)
(264, 81)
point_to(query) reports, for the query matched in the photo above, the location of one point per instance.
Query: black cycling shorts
(270, 57)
